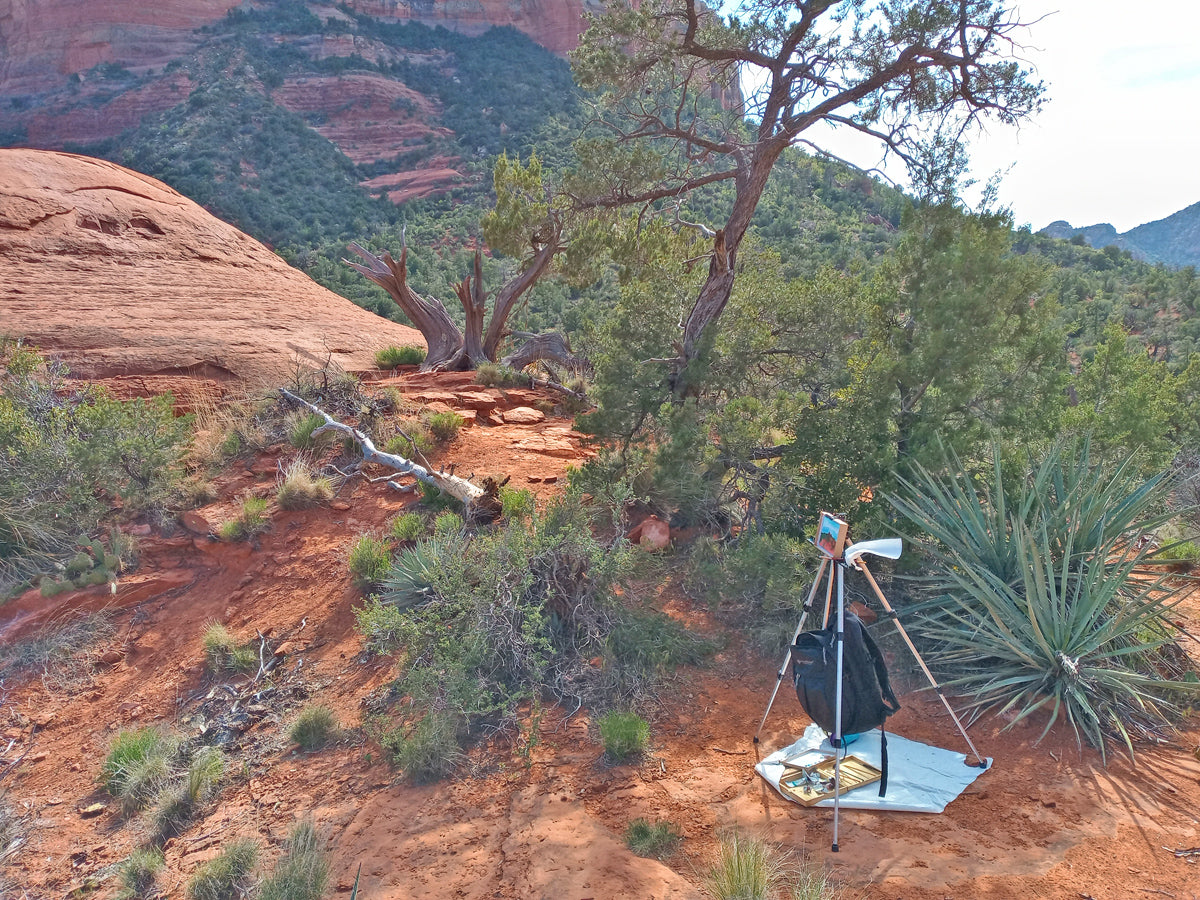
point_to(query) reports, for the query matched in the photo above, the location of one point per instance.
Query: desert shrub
(416, 437)
(69, 451)
(303, 870)
(652, 642)
(447, 525)
(64, 651)
(250, 522)
(391, 356)
(299, 488)
(227, 875)
(178, 801)
(314, 727)
(427, 751)
(407, 527)
(495, 375)
(510, 615)
(625, 735)
(223, 654)
(747, 868)
(436, 499)
(300, 428)
(1037, 596)
(138, 872)
(444, 426)
(656, 840)
(369, 561)
(137, 765)
(517, 503)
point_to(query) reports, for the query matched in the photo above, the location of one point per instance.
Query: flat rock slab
(523, 415)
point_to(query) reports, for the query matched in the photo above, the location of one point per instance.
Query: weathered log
(550, 345)
(459, 488)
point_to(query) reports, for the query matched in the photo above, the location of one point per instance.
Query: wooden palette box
(798, 780)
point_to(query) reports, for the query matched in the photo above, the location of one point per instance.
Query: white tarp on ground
(920, 778)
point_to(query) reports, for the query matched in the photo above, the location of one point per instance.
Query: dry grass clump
(227, 875)
(299, 487)
(253, 520)
(314, 728)
(303, 870)
(66, 652)
(222, 654)
(750, 868)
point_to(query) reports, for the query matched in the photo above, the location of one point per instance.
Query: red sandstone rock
(119, 275)
(523, 415)
(652, 533)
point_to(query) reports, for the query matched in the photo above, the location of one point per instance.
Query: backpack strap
(885, 684)
(883, 767)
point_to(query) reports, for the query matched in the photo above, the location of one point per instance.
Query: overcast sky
(1118, 140)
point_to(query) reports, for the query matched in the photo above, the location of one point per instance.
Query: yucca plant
(1040, 598)
(411, 578)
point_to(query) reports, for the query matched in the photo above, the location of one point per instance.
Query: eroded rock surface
(122, 276)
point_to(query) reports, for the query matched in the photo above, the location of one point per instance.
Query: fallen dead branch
(462, 490)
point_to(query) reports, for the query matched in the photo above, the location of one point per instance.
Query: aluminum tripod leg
(982, 763)
(837, 741)
(788, 656)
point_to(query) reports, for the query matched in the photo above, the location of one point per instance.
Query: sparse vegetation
(314, 727)
(495, 375)
(69, 451)
(65, 651)
(391, 356)
(227, 875)
(300, 488)
(747, 868)
(138, 873)
(137, 765)
(427, 751)
(625, 735)
(223, 654)
(177, 802)
(369, 561)
(444, 426)
(301, 426)
(303, 870)
(656, 840)
(407, 527)
(447, 525)
(249, 523)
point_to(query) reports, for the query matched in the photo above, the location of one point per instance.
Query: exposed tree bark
(551, 346)
(450, 348)
(459, 488)
(442, 338)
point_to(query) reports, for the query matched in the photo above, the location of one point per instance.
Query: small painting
(831, 536)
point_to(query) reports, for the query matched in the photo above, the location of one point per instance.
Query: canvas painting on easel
(831, 535)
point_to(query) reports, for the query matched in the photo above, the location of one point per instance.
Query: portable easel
(836, 561)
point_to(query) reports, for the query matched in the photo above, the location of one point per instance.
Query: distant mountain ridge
(1173, 241)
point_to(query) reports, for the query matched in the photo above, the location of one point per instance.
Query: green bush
(250, 522)
(447, 525)
(177, 802)
(391, 356)
(444, 426)
(68, 453)
(1037, 598)
(657, 841)
(222, 654)
(137, 765)
(369, 561)
(625, 735)
(138, 872)
(314, 727)
(417, 438)
(407, 527)
(300, 431)
(429, 750)
(227, 875)
(299, 488)
(517, 503)
(303, 870)
(495, 375)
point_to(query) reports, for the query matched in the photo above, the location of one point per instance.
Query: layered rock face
(42, 43)
(126, 279)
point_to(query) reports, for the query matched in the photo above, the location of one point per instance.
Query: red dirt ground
(1047, 821)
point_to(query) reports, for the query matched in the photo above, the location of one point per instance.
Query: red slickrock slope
(122, 276)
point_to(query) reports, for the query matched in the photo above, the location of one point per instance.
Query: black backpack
(867, 698)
